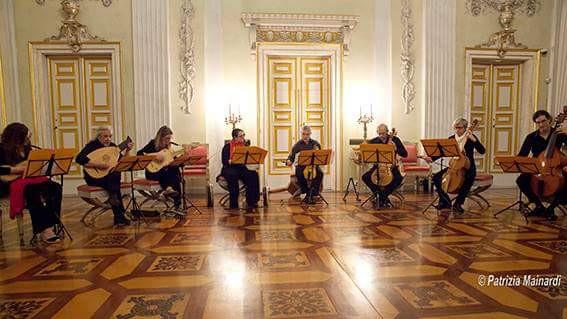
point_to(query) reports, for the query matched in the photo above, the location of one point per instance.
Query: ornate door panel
(480, 98)
(494, 101)
(504, 112)
(98, 89)
(66, 105)
(282, 112)
(81, 100)
(298, 95)
(315, 99)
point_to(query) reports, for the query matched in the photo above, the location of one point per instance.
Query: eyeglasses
(542, 121)
(458, 127)
(241, 135)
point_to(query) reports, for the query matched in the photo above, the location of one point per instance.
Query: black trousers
(44, 204)
(168, 177)
(249, 178)
(111, 184)
(315, 182)
(383, 192)
(444, 199)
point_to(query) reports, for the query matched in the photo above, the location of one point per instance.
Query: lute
(168, 156)
(109, 155)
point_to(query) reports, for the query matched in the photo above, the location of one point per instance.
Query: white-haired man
(111, 182)
(382, 193)
(306, 143)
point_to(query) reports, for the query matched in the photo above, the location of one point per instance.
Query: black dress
(167, 176)
(43, 200)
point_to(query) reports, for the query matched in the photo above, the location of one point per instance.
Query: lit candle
(370, 109)
(229, 110)
(360, 111)
(238, 108)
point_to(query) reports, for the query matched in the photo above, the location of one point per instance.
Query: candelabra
(364, 119)
(233, 119)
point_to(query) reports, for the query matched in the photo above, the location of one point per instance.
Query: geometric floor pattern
(336, 261)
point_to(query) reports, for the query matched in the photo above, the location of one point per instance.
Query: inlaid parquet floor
(340, 261)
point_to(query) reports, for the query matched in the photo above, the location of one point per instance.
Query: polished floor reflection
(336, 261)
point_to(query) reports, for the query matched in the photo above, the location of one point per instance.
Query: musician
(235, 172)
(383, 192)
(111, 182)
(306, 143)
(41, 196)
(535, 143)
(467, 142)
(169, 177)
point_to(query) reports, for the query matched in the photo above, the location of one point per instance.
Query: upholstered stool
(97, 197)
(482, 182)
(5, 208)
(152, 191)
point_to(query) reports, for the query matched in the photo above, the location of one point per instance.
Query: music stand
(180, 163)
(377, 154)
(314, 158)
(131, 164)
(435, 148)
(50, 163)
(518, 164)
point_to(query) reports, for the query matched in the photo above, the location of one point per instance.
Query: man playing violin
(382, 193)
(111, 182)
(306, 143)
(535, 143)
(467, 142)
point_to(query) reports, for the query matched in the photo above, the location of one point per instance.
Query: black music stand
(180, 163)
(377, 154)
(440, 148)
(131, 164)
(518, 164)
(314, 158)
(50, 163)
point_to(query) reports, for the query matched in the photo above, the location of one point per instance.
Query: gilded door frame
(38, 66)
(334, 51)
(530, 61)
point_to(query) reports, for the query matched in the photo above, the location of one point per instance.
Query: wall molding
(298, 28)
(151, 67)
(439, 65)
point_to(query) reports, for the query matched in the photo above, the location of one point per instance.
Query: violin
(552, 160)
(454, 177)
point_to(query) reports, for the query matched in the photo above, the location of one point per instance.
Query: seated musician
(382, 193)
(467, 142)
(535, 143)
(110, 182)
(41, 196)
(235, 172)
(169, 177)
(306, 143)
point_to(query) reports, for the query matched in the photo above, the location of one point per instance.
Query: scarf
(461, 140)
(17, 187)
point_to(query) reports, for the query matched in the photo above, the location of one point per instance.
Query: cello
(552, 160)
(454, 177)
(383, 176)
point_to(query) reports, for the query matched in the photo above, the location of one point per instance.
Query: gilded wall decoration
(299, 28)
(408, 62)
(187, 57)
(72, 30)
(505, 38)
(527, 7)
(105, 3)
